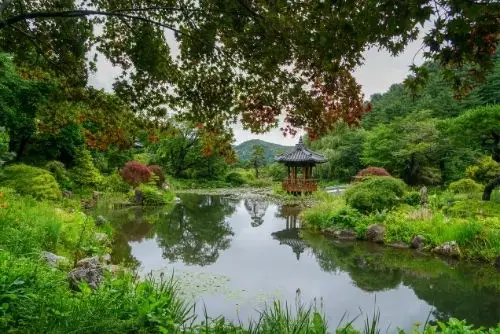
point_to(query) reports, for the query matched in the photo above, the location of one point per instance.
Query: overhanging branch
(124, 13)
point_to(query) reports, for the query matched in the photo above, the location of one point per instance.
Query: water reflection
(213, 231)
(290, 235)
(195, 231)
(463, 291)
(256, 209)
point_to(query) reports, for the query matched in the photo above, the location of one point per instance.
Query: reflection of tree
(256, 209)
(464, 291)
(455, 294)
(132, 224)
(195, 230)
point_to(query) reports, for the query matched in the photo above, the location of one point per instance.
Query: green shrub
(60, 173)
(235, 178)
(464, 186)
(29, 180)
(115, 183)
(484, 171)
(5, 155)
(276, 171)
(375, 193)
(153, 196)
(85, 173)
(412, 198)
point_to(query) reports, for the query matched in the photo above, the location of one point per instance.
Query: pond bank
(265, 193)
(456, 227)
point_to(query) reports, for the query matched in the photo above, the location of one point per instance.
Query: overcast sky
(378, 73)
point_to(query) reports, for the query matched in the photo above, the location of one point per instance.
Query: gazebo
(300, 163)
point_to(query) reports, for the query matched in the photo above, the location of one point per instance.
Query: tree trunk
(489, 188)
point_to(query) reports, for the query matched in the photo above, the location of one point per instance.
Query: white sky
(378, 73)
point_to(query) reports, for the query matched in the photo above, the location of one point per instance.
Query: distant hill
(244, 150)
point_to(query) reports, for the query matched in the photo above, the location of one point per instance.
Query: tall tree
(257, 159)
(214, 60)
(480, 127)
(408, 147)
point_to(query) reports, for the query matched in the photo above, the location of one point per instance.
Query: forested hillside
(424, 136)
(244, 150)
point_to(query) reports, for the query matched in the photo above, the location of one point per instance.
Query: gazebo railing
(300, 185)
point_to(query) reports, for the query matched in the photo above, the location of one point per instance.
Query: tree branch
(83, 13)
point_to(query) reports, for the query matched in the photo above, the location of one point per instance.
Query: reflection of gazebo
(290, 237)
(300, 163)
(291, 214)
(257, 210)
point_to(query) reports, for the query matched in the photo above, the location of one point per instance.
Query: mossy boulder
(29, 180)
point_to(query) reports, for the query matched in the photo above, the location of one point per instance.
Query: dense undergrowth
(457, 214)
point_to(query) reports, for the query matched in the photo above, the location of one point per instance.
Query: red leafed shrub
(372, 171)
(156, 170)
(135, 173)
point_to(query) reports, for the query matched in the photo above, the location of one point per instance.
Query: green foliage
(257, 159)
(343, 149)
(28, 180)
(115, 183)
(478, 128)
(29, 227)
(19, 102)
(408, 148)
(464, 186)
(153, 196)
(276, 171)
(484, 171)
(60, 173)
(412, 198)
(235, 178)
(375, 193)
(5, 155)
(84, 173)
(182, 155)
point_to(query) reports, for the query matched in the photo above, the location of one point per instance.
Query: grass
(464, 218)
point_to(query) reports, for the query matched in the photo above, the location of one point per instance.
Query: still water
(235, 255)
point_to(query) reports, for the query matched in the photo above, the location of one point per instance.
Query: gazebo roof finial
(300, 143)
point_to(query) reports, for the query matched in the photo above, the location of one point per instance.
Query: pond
(235, 255)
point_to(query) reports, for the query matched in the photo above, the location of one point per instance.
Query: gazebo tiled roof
(301, 155)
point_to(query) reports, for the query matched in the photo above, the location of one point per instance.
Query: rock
(375, 233)
(88, 204)
(449, 248)
(399, 244)
(424, 197)
(51, 258)
(345, 235)
(177, 200)
(67, 193)
(87, 270)
(100, 220)
(88, 261)
(418, 242)
(101, 237)
(106, 258)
